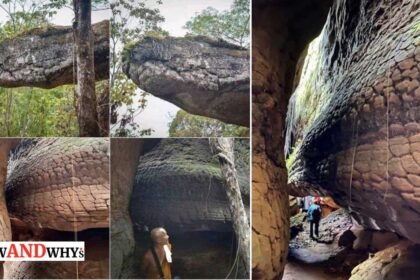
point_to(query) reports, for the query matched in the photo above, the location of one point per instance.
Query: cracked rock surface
(201, 76)
(58, 189)
(179, 185)
(43, 57)
(60, 183)
(354, 121)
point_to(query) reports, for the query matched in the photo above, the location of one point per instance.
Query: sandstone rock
(332, 134)
(382, 240)
(44, 57)
(399, 262)
(201, 76)
(185, 170)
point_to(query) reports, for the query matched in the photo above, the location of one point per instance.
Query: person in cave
(314, 216)
(157, 260)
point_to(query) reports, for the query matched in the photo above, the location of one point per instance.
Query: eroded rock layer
(201, 76)
(60, 183)
(44, 57)
(354, 121)
(280, 32)
(179, 185)
(123, 170)
(398, 262)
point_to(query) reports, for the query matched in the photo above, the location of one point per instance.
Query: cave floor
(295, 270)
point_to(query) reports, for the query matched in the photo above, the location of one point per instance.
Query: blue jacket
(314, 208)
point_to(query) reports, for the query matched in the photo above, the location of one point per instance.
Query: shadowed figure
(314, 216)
(157, 260)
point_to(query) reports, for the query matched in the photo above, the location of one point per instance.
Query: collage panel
(180, 69)
(336, 140)
(54, 72)
(55, 189)
(185, 200)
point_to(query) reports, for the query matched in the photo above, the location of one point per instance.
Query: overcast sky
(176, 13)
(158, 113)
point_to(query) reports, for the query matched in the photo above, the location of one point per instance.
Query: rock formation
(43, 57)
(281, 30)
(178, 184)
(201, 76)
(398, 262)
(58, 189)
(354, 120)
(184, 170)
(123, 170)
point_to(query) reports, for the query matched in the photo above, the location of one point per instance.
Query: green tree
(38, 112)
(231, 25)
(130, 20)
(188, 125)
(24, 15)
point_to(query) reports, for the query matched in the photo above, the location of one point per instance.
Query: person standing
(314, 216)
(157, 260)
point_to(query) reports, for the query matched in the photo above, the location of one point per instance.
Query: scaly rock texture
(398, 262)
(179, 185)
(60, 183)
(44, 57)
(57, 189)
(354, 121)
(202, 76)
(281, 31)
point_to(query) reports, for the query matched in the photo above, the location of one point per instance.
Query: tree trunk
(223, 148)
(103, 111)
(87, 105)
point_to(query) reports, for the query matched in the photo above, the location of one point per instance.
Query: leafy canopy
(188, 125)
(231, 25)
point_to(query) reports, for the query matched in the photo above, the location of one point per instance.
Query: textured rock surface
(60, 183)
(5, 228)
(354, 122)
(44, 57)
(201, 76)
(124, 163)
(280, 30)
(179, 185)
(399, 262)
(57, 189)
(328, 245)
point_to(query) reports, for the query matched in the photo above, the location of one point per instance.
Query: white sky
(176, 14)
(65, 16)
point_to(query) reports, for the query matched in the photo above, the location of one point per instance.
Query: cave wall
(124, 162)
(281, 31)
(179, 186)
(361, 144)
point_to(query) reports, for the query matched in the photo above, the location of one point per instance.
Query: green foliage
(231, 25)
(131, 19)
(124, 94)
(23, 15)
(187, 125)
(38, 112)
(292, 157)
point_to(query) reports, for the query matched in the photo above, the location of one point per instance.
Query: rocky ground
(303, 248)
(330, 256)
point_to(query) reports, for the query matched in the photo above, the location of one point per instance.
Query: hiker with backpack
(157, 260)
(314, 216)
